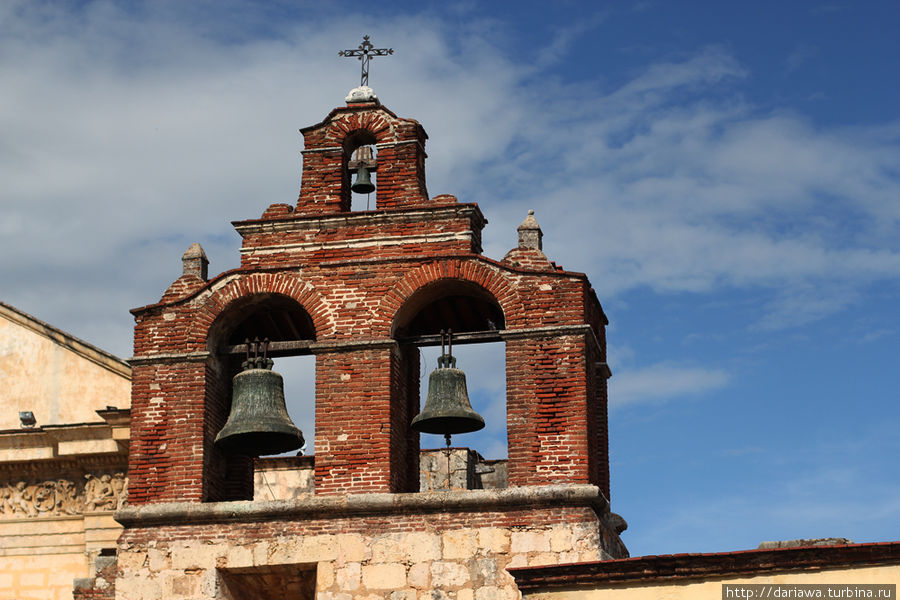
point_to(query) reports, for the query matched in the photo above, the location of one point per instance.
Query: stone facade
(42, 498)
(445, 545)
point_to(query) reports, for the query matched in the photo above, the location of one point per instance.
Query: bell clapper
(447, 452)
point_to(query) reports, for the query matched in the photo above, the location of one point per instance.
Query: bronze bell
(259, 423)
(447, 408)
(363, 183)
(361, 164)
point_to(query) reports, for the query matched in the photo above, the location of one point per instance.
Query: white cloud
(129, 135)
(664, 381)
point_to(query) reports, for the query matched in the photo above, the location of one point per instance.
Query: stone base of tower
(399, 546)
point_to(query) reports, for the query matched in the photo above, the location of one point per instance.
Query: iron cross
(364, 52)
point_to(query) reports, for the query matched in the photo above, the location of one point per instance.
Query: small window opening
(299, 374)
(270, 582)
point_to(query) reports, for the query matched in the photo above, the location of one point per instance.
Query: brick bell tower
(361, 291)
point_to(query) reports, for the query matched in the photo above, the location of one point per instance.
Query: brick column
(325, 184)
(166, 457)
(401, 177)
(353, 421)
(404, 406)
(547, 409)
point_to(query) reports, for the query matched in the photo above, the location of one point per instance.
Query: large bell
(363, 183)
(447, 408)
(259, 423)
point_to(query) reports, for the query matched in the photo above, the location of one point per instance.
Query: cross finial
(365, 51)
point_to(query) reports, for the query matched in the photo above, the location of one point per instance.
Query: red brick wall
(329, 145)
(354, 274)
(547, 423)
(353, 421)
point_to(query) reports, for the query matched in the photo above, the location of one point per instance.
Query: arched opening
(361, 165)
(474, 460)
(289, 330)
(454, 304)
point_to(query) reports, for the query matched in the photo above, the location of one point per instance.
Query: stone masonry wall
(402, 557)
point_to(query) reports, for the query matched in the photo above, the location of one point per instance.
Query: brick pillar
(547, 409)
(404, 406)
(326, 182)
(165, 462)
(598, 436)
(353, 410)
(401, 177)
(602, 420)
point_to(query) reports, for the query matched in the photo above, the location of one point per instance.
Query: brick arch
(242, 286)
(464, 270)
(374, 122)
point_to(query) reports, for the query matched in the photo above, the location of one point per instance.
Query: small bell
(447, 408)
(363, 183)
(259, 423)
(362, 163)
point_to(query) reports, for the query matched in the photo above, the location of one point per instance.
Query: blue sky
(726, 174)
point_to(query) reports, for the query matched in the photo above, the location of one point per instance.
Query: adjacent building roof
(670, 567)
(67, 340)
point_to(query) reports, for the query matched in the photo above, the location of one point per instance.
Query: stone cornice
(341, 506)
(301, 222)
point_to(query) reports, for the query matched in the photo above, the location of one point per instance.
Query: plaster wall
(53, 379)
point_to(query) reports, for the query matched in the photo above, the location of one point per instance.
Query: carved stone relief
(106, 491)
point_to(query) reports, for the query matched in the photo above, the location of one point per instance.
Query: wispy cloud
(801, 54)
(664, 381)
(129, 136)
(877, 334)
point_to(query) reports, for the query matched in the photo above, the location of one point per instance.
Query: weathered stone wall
(56, 514)
(283, 478)
(467, 469)
(102, 585)
(288, 477)
(42, 576)
(415, 550)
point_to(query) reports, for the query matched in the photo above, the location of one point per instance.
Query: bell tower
(361, 292)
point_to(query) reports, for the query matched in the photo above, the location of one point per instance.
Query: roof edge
(88, 351)
(682, 567)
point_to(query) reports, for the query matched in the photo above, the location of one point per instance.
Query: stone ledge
(303, 222)
(186, 513)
